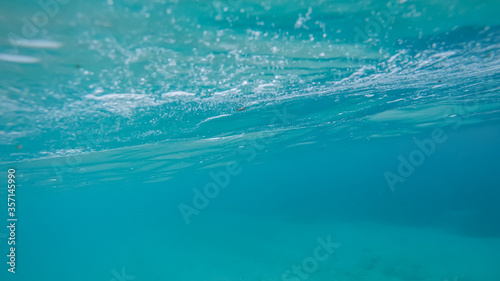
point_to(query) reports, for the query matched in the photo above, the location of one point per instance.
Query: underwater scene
(258, 140)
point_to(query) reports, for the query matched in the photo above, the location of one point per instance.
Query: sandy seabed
(256, 248)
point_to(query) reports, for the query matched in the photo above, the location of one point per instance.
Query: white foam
(113, 97)
(37, 44)
(18, 58)
(123, 103)
(176, 94)
(213, 117)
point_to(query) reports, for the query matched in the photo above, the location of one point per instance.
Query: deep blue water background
(113, 113)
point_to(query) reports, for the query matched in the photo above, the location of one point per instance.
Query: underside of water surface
(250, 140)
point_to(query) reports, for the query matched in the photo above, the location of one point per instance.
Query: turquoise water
(251, 140)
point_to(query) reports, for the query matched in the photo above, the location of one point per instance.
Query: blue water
(251, 140)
